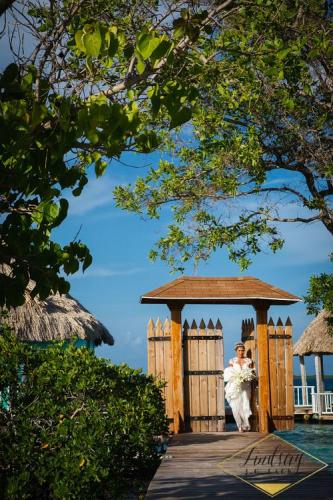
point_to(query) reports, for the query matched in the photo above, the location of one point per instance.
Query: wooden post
(273, 365)
(281, 375)
(319, 379)
(177, 367)
(290, 410)
(265, 413)
(303, 380)
(322, 372)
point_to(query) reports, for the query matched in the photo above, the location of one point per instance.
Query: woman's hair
(239, 344)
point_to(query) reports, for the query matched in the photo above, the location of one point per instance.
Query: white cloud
(97, 193)
(103, 272)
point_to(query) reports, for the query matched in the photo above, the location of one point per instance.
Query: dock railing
(322, 403)
(303, 395)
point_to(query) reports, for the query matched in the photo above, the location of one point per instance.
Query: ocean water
(316, 439)
(311, 380)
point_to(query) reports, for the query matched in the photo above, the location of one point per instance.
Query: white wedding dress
(238, 395)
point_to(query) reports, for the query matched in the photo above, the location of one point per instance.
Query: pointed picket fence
(203, 372)
(203, 377)
(160, 360)
(281, 374)
(280, 371)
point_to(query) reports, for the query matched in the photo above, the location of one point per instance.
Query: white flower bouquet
(238, 376)
(235, 379)
(246, 375)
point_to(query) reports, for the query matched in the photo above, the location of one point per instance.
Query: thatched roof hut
(316, 338)
(59, 317)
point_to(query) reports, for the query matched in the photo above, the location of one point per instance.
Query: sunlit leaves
(262, 106)
(92, 40)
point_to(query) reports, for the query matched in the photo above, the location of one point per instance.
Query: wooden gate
(202, 372)
(203, 377)
(160, 360)
(280, 371)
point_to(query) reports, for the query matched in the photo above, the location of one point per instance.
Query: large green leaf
(79, 41)
(147, 44)
(92, 42)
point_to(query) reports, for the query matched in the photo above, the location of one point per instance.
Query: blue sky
(121, 271)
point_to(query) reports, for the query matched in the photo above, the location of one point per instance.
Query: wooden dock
(306, 413)
(194, 467)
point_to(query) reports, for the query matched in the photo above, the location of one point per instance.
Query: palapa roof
(195, 290)
(316, 338)
(59, 317)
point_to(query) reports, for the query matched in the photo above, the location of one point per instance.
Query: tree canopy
(262, 127)
(84, 86)
(260, 148)
(253, 79)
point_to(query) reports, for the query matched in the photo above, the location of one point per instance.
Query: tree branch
(4, 5)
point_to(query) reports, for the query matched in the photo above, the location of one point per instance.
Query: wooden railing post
(177, 367)
(265, 413)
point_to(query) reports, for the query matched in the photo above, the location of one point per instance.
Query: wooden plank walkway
(192, 469)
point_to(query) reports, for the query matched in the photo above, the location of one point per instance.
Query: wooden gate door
(280, 372)
(203, 377)
(160, 360)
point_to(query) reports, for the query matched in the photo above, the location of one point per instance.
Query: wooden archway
(239, 291)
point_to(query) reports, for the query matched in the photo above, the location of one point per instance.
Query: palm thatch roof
(59, 317)
(317, 338)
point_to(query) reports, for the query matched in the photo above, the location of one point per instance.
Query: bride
(238, 376)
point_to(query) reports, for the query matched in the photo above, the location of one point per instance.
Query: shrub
(77, 426)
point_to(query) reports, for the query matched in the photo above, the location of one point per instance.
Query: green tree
(77, 426)
(97, 76)
(261, 141)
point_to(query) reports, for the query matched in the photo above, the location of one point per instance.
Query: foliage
(260, 150)
(320, 293)
(77, 427)
(97, 76)
(254, 78)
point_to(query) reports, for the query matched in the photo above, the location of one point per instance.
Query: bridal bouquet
(238, 376)
(235, 379)
(246, 375)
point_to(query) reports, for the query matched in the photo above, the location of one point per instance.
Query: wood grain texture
(203, 379)
(290, 409)
(263, 370)
(177, 368)
(203, 391)
(281, 373)
(273, 364)
(191, 469)
(219, 357)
